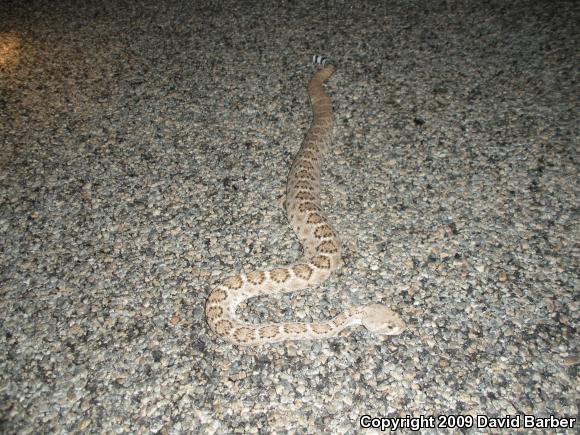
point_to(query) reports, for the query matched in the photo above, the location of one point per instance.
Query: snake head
(381, 320)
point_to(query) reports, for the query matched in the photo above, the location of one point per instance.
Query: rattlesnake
(320, 244)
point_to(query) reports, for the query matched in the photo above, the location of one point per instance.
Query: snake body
(321, 250)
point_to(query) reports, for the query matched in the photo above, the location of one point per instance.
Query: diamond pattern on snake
(320, 244)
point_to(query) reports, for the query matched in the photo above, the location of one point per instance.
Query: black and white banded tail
(319, 60)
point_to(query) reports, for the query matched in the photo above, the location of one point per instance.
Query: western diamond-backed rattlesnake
(321, 251)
